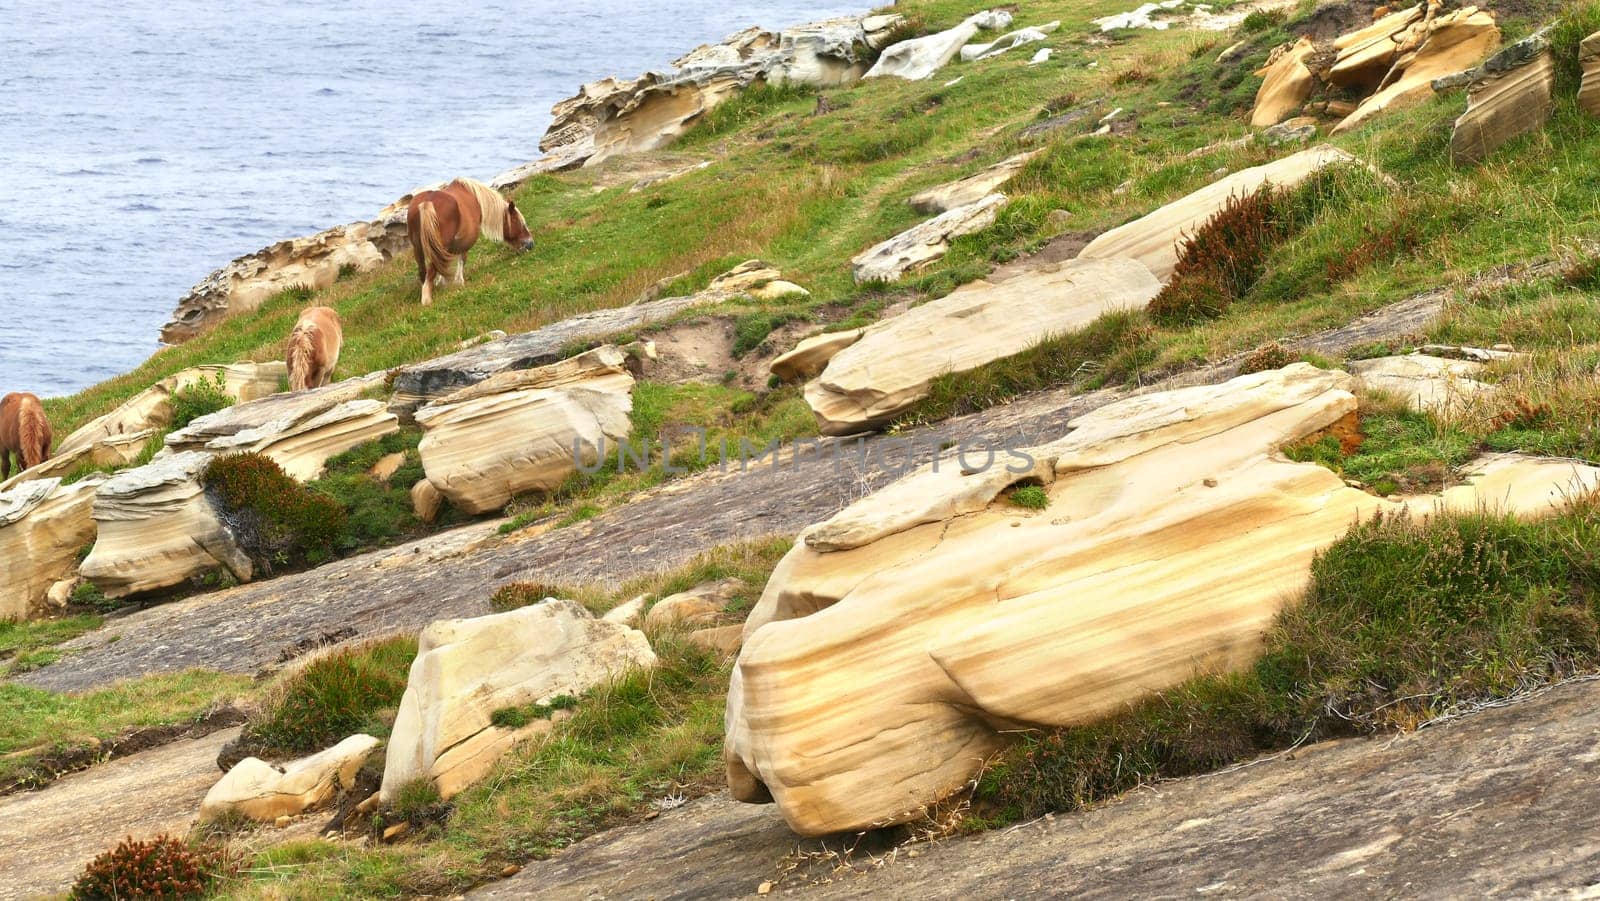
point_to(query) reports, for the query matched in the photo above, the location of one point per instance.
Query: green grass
(1030, 497)
(29, 645)
(517, 717)
(377, 512)
(1405, 621)
(1404, 451)
(336, 694)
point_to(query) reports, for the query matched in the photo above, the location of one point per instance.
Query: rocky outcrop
(1148, 15)
(1010, 41)
(755, 278)
(1155, 240)
(313, 262)
(616, 116)
(924, 243)
(1432, 384)
(467, 669)
(973, 188)
(44, 525)
(874, 379)
(263, 792)
(1589, 61)
(432, 379)
(1174, 534)
(156, 528)
(919, 58)
(118, 437)
(812, 354)
(1287, 85)
(1430, 47)
(525, 430)
(299, 431)
(1507, 97)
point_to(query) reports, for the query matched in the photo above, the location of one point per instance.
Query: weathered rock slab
(926, 242)
(919, 58)
(466, 669)
(1589, 60)
(262, 792)
(1509, 97)
(812, 354)
(1173, 537)
(1432, 384)
(973, 188)
(43, 527)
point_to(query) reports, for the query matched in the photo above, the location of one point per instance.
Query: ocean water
(145, 143)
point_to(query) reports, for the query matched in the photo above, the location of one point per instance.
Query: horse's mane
(493, 208)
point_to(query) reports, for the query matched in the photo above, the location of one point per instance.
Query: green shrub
(1222, 260)
(1269, 356)
(276, 519)
(1030, 497)
(201, 397)
(1405, 620)
(331, 697)
(516, 595)
(376, 512)
(163, 867)
(517, 717)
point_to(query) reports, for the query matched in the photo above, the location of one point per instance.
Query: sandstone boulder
(1428, 49)
(812, 354)
(156, 528)
(1589, 60)
(874, 379)
(701, 605)
(466, 669)
(1149, 15)
(627, 613)
(919, 58)
(426, 501)
(1287, 86)
(264, 792)
(1432, 384)
(525, 430)
(1366, 56)
(313, 262)
(1010, 41)
(926, 242)
(755, 279)
(973, 188)
(1173, 537)
(299, 431)
(1509, 96)
(43, 526)
(1156, 239)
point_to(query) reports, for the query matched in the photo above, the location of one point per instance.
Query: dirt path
(1505, 803)
(47, 836)
(453, 574)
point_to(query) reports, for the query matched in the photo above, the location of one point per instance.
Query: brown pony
(314, 348)
(444, 224)
(24, 431)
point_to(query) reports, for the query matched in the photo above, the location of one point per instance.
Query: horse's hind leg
(427, 276)
(5, 465)
(460, 277)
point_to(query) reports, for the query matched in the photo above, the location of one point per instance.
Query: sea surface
(144, 143)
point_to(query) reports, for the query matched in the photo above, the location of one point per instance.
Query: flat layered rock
(44, 525)
(1510, 96)
(1589, 60)
(973, 188)
(525, 431)
(1173, 537)
(876, 378)
(1431, 384)
(1288, 83)
(1156, 239)
(1424, 51)
(263, 792)
(156, 529)
(811, 355)
(924, 243)
(1008, 41)
(919, 58)
(467, 669)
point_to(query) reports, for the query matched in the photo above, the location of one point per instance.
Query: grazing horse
(444, 224)
(314, 348)
(24, 431)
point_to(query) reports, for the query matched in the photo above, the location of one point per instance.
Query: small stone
(386, 467)
(1211, 483)
(764, 888)
(1504, 348)
(396, 831)
(426, 500)
(283, 822)
(1059, 217)
(367, 806)
(510, 870)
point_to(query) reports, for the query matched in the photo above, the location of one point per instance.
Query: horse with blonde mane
(314, 348)
(444, 224)
(24, 431)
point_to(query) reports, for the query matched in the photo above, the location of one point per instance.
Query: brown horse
(444, 224)
(314, 348)
(24, 431)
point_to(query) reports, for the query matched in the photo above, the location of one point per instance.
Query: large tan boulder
(1589, 60)
(43, 527)
(156, 529)
(919, 58)
(263, 792)
(1155, 240)
(1509, 97)
(811, 355)
(702, 605)
(1431, 384)
(973, 188)
(1428, 50)
(1287, 84)
(901, 643)
(875, 379)
(924, 243)
(299, 430)
(525, 430)
(1365, 56)
(466, 669)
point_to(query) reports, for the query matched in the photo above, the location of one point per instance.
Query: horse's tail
(302, 355)
(34, 430)
(434, 246)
